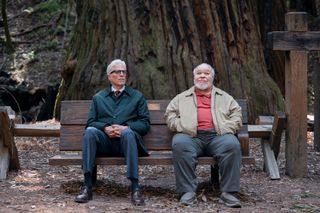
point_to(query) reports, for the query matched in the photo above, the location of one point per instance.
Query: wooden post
(316, 88)
(296, 68)
(8, 145)
(297, 41)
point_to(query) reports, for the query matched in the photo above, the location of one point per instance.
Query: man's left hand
(118, 129)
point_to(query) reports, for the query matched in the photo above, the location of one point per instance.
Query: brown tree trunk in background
(162, 41)
(271, 18)
(315, 64)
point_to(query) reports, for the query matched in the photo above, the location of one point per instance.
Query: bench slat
(244, 108)
(153, 159)
(75, 112)
(259, 131)
(159, 138)
(37, 130)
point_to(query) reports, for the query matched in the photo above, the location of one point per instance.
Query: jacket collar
(191, 91)
(108, 90)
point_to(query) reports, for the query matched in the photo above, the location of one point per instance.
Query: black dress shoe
(84, 196)
(136, 198)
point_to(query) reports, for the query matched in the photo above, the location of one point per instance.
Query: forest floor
(38, 187)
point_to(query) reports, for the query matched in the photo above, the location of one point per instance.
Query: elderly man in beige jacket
(205, 120)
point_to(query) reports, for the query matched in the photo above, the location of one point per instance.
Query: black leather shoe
(136, 198)
(84, 196)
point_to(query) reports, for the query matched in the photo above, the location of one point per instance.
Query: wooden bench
(270, 142)
(158, 141)
(73, 121)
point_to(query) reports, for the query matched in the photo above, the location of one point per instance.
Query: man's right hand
(110, 131)
(114, 131)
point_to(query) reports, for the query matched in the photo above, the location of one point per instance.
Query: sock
(134, 184)
(88, 180)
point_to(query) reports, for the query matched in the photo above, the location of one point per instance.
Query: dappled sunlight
(28, 180)
(310, 138)
(36, 143)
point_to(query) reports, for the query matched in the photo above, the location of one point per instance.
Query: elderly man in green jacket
(206, 120)
(118, 119)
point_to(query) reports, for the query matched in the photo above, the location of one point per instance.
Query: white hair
(113, 63)
(208, 66)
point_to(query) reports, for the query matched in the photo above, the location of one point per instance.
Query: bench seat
(155, 158)
(158, 140)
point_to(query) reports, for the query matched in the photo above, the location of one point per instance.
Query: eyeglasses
(118, 72)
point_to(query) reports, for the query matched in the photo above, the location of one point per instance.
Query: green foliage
(50, 6)
(31, 57)
(59, 30)
(306, 207)
(310, 195)
(48, 9)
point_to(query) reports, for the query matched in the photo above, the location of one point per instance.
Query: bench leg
(215, 177)
(270, 163)
(4, 162)
(94, 175)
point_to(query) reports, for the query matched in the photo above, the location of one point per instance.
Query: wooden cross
(296, 41)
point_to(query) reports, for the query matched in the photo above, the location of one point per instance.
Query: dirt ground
(38, 187)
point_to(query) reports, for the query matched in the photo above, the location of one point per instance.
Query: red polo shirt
(205, 120)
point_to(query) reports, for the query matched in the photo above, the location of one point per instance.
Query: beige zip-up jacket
(181, 114)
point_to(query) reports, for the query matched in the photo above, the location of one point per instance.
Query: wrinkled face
(118, 75)
(203, 78)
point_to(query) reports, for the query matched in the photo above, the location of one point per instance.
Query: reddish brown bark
(162, 41)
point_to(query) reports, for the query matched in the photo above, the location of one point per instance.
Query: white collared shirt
(121, 90)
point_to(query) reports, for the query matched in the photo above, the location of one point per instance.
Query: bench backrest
(74, 118)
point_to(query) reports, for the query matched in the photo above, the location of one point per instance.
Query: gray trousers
(224, 148)
(97, 143)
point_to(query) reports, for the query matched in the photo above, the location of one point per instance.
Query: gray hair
(208, 66)
(114, 63)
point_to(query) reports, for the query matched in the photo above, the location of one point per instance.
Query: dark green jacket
(130, 110)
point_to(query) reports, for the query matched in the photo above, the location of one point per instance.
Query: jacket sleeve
(141, 125)
(235, 117)
(172, 115)
(92, 116)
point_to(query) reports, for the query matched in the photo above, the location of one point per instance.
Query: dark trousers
(97, 143)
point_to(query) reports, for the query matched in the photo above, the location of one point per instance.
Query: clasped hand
(114, 131)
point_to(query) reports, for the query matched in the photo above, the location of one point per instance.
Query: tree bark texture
(315, 65)
(271, 18)
(162, 41)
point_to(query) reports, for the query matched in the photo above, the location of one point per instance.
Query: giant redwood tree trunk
(162, 41)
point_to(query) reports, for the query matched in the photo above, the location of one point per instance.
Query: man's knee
(232, 142)
(89, 131)
(127, 132)
(128, 137)
(180, 143)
